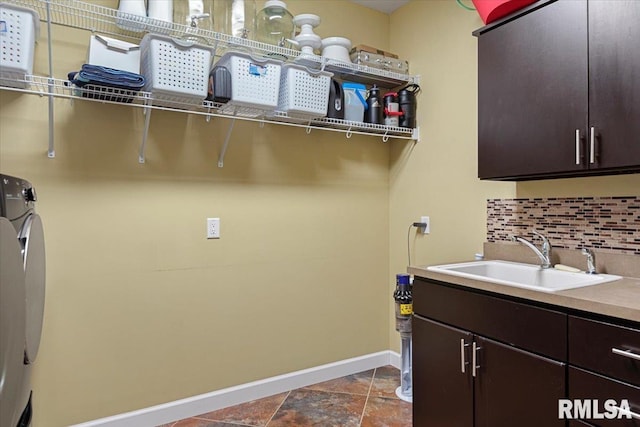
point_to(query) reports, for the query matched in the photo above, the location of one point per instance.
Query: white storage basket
(303, 92)
(176, 71)
(19, 30)
(255, 83)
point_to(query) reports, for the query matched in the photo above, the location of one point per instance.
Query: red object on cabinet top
(491, 10)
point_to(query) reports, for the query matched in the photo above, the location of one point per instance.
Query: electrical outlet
(427, 228)
(213, 228)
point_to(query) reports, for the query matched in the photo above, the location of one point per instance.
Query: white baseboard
(191, 406)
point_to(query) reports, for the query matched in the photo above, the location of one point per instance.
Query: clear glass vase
(195, 14)
(235, 17)
(274, 24)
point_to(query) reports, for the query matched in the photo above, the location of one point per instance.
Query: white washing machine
(22, 290)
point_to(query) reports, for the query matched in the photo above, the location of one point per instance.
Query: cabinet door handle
(577, 146)
(630, 413)
(463, 358)
(592, 146)
(626, 353)
(474, 362)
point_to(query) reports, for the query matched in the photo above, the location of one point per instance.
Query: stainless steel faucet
(591, 260)
(544, 254)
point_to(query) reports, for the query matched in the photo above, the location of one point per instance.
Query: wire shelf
(64, 89)
(58, 88)
(95, 18)
(103, 20)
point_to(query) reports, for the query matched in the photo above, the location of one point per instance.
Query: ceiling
(386, 6)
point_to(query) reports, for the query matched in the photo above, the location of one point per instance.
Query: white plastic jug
(132, 15)
(354, 101)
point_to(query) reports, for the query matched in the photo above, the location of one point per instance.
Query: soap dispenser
(274, 24)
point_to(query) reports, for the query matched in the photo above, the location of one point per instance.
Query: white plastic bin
(114, 53)
(355, 95)
(303, 91)
(177, 71)
(19, 30)
(255, 83)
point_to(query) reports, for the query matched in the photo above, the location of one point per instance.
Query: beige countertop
(619, 299)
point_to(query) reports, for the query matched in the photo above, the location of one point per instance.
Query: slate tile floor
(365, 399)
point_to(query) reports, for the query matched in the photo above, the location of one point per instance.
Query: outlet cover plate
(427, 229)
(213, 228)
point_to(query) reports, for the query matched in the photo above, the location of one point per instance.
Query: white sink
(523, 275)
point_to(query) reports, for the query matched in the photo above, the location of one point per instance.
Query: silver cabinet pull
(463, 358)
(592, 146)
(474, 362)
(577, 146)
(630, 413)
(626, 353)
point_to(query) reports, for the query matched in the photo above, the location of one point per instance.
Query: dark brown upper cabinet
(559, 91)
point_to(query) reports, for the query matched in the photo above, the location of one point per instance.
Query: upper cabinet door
(532, 93)
(614, 89)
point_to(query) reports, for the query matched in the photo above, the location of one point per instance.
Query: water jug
(335, 109)
(355, 103)
(408, 106)
(374, 107)
(162, 10)
(131, 15)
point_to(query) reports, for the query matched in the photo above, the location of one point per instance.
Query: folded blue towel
(124, 82)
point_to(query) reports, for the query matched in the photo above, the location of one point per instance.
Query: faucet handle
(542, 236)
(546, 244)
(591, 260)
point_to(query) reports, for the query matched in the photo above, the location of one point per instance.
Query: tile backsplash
(610, 224)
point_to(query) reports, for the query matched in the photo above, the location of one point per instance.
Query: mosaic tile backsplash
(610, 224)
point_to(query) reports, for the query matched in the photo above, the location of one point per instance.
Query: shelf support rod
(147, 118)
(226, 144)
(51, 152)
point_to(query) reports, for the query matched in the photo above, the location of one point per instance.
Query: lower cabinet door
(442, 381)
(592, 391)
(516, 388)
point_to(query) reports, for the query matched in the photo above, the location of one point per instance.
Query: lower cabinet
(486, 360)
(464, 379)
(592, 387)
(604, 366)
(442, 378)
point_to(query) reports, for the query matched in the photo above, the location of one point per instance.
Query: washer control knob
(29, 194)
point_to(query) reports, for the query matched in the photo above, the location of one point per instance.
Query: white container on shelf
(114, 53)
(255, 83)
(132, 15)
(355, 95)
(162, 10)
(176, 71)
(19, 30)
(304, 92)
